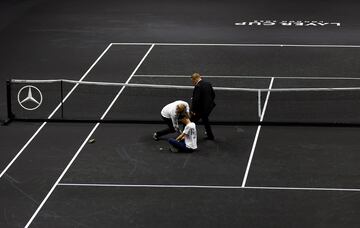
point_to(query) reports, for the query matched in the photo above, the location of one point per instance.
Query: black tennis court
(286, 144)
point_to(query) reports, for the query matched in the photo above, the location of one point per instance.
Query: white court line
(51, 115)
(127, 82)
(85, 141)
(246, 77)
(208, 187)
(257, 135)
(248, 45)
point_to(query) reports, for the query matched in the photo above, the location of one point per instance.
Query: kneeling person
(170, 114)
(187, 140)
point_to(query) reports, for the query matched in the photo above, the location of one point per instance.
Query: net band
(184, 87)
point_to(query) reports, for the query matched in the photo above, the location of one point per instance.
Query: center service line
(85, 141)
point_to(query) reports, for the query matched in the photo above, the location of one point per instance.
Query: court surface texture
(95, 174)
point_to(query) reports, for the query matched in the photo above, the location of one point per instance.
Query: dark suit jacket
(203, 98)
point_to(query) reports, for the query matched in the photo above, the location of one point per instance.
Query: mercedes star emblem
(30, 97)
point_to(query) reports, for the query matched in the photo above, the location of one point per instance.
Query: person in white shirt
(170, 114)
(187, 140)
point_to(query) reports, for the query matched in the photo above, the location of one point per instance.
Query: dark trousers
(168, 130)
(205, 120)
(181, 146)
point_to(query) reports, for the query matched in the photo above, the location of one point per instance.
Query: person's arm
(195, 103)
(174, 119)
(180, 137)
(187, 111)
(212, 93)
(184, 133)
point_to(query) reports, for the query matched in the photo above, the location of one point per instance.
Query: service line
(249, 77)
(248, 45)
(207, 187)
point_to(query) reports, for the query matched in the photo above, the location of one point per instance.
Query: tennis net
(85, 101)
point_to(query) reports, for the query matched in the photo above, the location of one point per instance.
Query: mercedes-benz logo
(29, 97)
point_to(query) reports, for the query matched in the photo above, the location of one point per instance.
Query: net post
(10, 115)
(259, 103)
(62, 98)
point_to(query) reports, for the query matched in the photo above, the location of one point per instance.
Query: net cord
(156, 86)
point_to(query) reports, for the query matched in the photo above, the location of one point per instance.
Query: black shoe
(155, 137)
(211, 137)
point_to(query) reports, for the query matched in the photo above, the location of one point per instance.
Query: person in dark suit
(202, 103)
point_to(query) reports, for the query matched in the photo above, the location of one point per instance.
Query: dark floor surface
(164, 207)
(62, 39)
